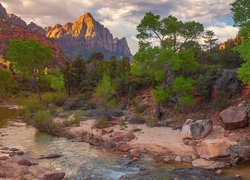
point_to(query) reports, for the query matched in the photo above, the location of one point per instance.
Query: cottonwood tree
(29, 58)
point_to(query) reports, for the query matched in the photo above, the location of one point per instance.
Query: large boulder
(234, 117)
(206, 164)
(212, 148)
(196, 129)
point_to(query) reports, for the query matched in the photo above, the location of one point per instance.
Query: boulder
(206, 164)
(234, 117)
(123, 147)
(134, 153)
(37, 171)
(196, 129)
(212, 148)
(55, 175)
(25, 162)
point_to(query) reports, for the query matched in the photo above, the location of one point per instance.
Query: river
(80, 160)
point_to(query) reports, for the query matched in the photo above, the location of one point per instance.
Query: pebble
(178, 159)
(218, 172)
(237, 176)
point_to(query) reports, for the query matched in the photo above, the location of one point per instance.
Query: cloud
(225, 32)
(121, 17)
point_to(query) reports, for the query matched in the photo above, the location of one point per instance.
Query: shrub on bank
(42, 120)
(102, 123)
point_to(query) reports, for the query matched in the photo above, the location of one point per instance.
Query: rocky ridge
(85, 36)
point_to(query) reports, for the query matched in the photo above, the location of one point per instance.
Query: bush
(102, 123)
(204, 84)
(219, 104)
(59, 99)
(47, 98)
(30, 108)
(137, 119)
(151, 122)
(248, 110)
(227, 83)
(43, 121)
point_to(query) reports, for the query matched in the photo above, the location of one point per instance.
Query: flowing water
(80, 160)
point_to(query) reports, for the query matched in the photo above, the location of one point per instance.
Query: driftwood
(240, 153)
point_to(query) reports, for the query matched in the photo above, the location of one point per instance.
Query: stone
(169, 158)
(55, 175)
(178, 159)
(187, 159)
(213, 148)
(37, 171)
(3, 13)
(14, 149)
(51, 156)
(206, 164)
(234, 118)
(20, 153)
(3, 157)
(25, 162)
(134, 153)
(196, 129)
(14, 170)
(218, 172)
(124, 147)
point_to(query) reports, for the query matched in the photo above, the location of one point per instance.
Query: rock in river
(206, 164)
(196, 129)
(234, 117)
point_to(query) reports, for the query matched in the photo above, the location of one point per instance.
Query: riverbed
(80, 160)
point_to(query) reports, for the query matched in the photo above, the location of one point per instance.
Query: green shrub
(220, 103)
(59, 99)
(48, 98)
(151, 121)
(43, 121)
(77, 120)
(122, 122)
(204, 84)
(227, 83)
(102, 123)
(29, 109)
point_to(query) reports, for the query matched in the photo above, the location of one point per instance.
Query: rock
(234, 117)
(3, 157)
(25, 162)
(169, 158)
(237, 176)
(124, 147)
(37, 171)
(206, 164)
(213, 148)
(4, 148)
(187, 159)
(2, 173)
(32, 26)
(194, 156)
(14, 170)
(3, 13)
(196, 129)
(218, 172)
(20, 153)
(55, 175)
(11, 154)
(178, 159)
(50, 156)
(134, 153)
(14, 149)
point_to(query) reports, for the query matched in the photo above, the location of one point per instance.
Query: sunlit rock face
(85, 36)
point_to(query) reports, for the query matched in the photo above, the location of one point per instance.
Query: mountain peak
(3, 13)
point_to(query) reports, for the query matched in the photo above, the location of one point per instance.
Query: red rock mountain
(13, 27)
(85, 36)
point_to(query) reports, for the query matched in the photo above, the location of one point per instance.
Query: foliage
(248, 110)
(210, 40)
(43, 121)
(29, 58)
(106, 92)
(8, 84)
(219, 103)
(151, 121)
(56, 82)
(241, 12)
(102, 123)
(160, 95)
(227, 83)
(183, 86)
(169, 31)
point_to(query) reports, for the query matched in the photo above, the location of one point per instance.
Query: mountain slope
(85, 36)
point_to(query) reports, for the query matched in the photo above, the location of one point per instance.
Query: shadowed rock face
(85, 36)
(3, 13)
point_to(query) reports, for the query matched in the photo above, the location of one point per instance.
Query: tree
(7, 82)
(29, 58)
(169, 32)
(241, 12)
(244, 70)
(210, 40)
(106, 92)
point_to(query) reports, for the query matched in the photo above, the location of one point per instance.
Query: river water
(81, 161)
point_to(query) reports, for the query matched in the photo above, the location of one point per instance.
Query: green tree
(244, 70)
(105, 91)
(8, 84)
(210, 40)
(169, 32)
(241, 12)
(29, 58)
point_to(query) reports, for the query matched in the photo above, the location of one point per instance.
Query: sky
(122, 16)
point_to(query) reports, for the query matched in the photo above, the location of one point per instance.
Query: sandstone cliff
(85, 36)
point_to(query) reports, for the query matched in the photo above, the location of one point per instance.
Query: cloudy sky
(122, 16)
